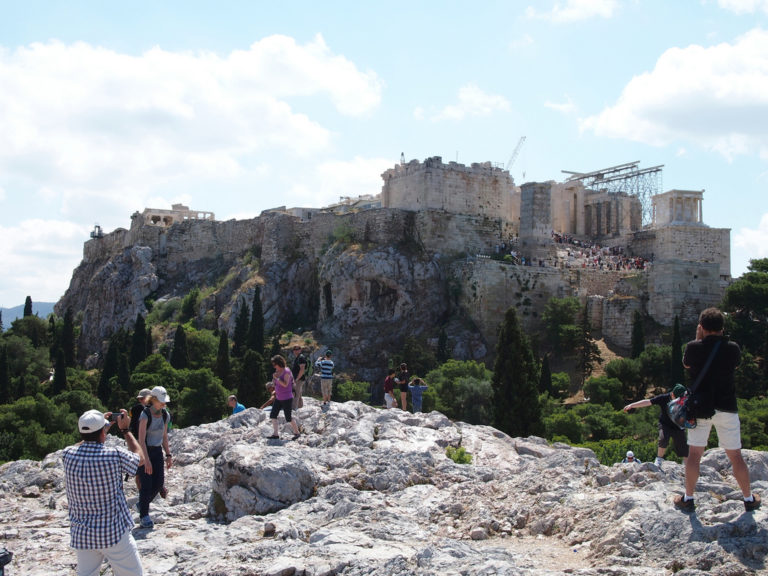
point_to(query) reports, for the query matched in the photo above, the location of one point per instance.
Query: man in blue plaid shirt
(100, 521)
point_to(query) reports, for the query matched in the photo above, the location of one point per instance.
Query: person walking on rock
(326, 376)
(234, 404)
(714, 404)
(667, 428)
(153, 440)
(100, 521)
(299, 371)
(282, 380)
(402, 379)
(417, 387)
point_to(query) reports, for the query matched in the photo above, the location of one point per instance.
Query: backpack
(147, 410)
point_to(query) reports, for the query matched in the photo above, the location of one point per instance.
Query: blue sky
(234, 107)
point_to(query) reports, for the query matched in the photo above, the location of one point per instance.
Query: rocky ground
(367, 491)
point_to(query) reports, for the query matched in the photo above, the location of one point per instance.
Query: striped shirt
(326, 368)
(98, 512)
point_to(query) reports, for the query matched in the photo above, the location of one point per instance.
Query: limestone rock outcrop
(366, 491)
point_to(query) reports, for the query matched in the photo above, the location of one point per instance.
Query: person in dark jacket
(714, 404)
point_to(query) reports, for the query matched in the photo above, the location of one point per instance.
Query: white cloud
(566, 107)
(472, 102)
(163, 115)
(358, 177)
(575, 10)
(744, 6)
(54, 246)
(753, 242)
(715, 97)
(90, 133)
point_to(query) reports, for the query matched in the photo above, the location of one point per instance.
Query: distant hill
(42, 309)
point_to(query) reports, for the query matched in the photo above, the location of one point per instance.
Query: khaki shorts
(326, 386)
(728, 429)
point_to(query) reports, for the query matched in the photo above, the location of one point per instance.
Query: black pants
(151, 483)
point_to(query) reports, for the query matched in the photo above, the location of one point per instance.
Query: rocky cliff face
(364, 282)
(366, 491)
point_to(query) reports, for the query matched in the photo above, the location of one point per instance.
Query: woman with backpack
(153, 440)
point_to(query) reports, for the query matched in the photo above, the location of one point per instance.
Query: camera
(115, 416)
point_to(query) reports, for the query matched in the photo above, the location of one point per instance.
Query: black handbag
(678, 409)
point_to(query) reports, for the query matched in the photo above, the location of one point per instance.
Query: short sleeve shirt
(98, 511)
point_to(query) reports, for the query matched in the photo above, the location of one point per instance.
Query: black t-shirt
(662, 400)
(297, 362)
(717, 390)
(404, 376)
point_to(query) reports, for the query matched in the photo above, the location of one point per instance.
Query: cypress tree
(28, 307)
(676, 370)
(252, 377)
(241, 331)
(5, 377)
(68, 338)
(255, 340)
(589, 353)
(638, 335)
(1, 322)
(53, 338)
(442, 346)
(516, 402)
(223, 366)
(545, 381)
(59, 373)
(111, 366)
(179, 353)
(138, 342)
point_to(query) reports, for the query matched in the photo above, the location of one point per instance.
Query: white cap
(630, 454)
(92, 421)
(160, 393)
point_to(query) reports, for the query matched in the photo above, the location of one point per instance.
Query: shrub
(458, 455)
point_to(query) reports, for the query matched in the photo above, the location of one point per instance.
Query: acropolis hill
(444, 246)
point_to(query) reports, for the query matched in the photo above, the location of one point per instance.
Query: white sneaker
(659, 461)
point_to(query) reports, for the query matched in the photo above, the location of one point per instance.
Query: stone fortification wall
(536, 221)
(479, 189)
(677, 287)
(695, 244)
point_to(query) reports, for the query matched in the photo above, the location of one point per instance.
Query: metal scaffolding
(629, 178)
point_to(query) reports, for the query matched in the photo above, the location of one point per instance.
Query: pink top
(283, 385)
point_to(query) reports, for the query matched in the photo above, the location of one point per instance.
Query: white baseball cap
(92, 421)
(161, 394)
(630, 454)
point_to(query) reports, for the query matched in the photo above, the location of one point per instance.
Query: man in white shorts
(714, 404)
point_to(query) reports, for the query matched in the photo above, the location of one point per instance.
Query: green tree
(564, 426)
(138, 342)
(676, 366)
(202, 346)
(179, 353)
(240, 335)
(638, 335)
(28, 307)
(746, 299)
(442, 346)
(255, 338)
(249, 373)
(115, 350)
(627, 371)
(602, 390)
(418, 355)
(749, 378)
(189, 305)
(545, 381)
(457, 384)
(562, 329)
(655, 365)
(5, 377)
(203, 399)
(515, 379)
(589, 353)
(275, 349)
(59, 374)
(68, 338)
(223, 366)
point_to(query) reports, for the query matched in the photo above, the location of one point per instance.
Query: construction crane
(515, 153)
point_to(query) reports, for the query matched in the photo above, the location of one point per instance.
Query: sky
(234, 107)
